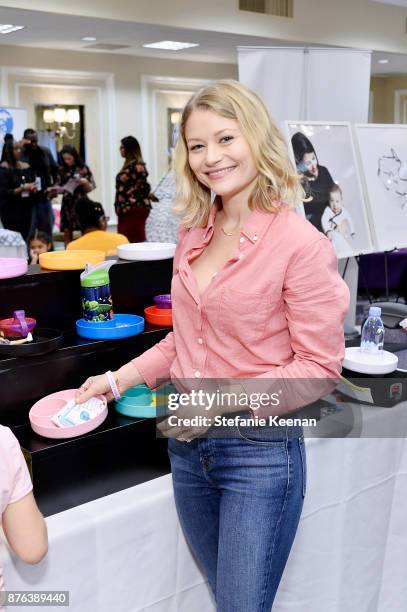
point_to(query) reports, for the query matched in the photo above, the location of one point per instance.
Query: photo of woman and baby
(334, 206)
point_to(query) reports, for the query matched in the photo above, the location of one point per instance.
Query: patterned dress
(69, 219)
(133, 201)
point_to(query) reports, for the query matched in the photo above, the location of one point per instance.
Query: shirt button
(242, 239)
(197, 374)
(241, 255)
(255, 237)
(200, 341)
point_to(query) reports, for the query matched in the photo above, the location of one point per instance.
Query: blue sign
(6, 122)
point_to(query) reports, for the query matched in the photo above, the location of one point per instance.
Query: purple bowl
(163, 301)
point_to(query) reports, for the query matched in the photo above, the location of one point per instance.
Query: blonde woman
(256, 295)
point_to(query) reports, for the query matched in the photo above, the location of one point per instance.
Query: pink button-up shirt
(274, 311)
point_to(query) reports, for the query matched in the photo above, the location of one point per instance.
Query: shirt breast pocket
(243, 316)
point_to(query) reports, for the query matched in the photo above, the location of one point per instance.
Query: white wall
(109, 86)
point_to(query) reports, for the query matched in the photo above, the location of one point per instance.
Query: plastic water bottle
(373, 332)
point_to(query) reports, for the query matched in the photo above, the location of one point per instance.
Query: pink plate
(12, 266)
(42, 411)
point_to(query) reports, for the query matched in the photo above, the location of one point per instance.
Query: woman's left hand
(176, 425)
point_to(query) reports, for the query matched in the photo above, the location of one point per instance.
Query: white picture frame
(336, 202)
(382, 151)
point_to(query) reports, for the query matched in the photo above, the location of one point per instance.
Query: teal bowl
(136, 403)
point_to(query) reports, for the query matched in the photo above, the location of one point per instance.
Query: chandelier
(58, 119)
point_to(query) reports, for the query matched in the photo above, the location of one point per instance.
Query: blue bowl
(121, 326)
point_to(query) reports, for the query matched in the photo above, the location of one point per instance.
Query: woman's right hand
(127, 376)
(94, 385)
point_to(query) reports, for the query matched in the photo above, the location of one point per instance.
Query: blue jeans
(42, 217)
(239, 501)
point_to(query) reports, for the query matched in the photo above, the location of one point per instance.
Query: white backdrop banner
(276, 75)
(338, 85)
(12, 121)
(309, 84)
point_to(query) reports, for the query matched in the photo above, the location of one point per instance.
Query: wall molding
(100, 82)
(399, 106)
(151, 85)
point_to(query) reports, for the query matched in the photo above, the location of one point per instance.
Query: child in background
(39, 242)
(93, 223)
(336, 221)
(22, 522)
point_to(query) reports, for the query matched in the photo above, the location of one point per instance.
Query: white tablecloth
(125, 552)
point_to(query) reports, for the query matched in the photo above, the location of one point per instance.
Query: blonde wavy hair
(277, 180)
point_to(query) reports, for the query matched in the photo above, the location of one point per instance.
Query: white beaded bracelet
(113, 386)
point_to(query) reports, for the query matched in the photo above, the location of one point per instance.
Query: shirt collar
(211, 221)
(257, 224)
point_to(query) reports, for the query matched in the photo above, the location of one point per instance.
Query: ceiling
(64, 32)
(402, 3)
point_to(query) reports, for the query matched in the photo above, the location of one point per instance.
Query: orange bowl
(158, 316)
(70, 260)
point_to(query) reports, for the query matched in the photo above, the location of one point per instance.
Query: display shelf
(53, 297)
(120, 453)
(26, 380)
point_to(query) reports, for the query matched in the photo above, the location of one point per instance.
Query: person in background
(17, 189)
(43, 164)
(39, 242)
(77, 179)
(93, 224)
(316, 179)
(133, 192)
(22, 522)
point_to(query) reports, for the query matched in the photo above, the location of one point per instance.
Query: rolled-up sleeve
(316, 300)
(154, 364)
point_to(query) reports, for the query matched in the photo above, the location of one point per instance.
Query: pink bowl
(42, 411)
(12, 266)
(12, 328)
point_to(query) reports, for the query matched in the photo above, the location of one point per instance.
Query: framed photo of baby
(325, 157)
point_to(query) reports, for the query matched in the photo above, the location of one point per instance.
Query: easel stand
(349, 270)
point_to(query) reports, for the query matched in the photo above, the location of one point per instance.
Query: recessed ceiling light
(171, 45)
(89, 38)
(7, 28)
(383, 61)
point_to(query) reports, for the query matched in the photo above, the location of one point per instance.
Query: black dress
(69, 220)
(15, 210)
(318, 189)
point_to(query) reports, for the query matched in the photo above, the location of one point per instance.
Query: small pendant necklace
(229, 233)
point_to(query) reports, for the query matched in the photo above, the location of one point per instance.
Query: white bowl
(368, 363)
(146, 251)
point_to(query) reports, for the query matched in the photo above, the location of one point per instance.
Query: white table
(125, 552)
